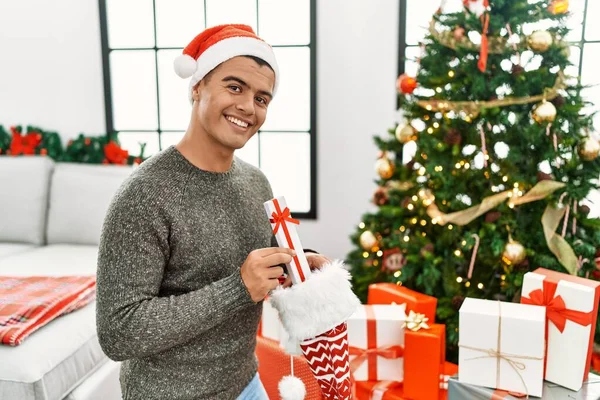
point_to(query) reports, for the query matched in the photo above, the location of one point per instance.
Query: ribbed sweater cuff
(233, 294)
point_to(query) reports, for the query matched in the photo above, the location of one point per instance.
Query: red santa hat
(219, 44)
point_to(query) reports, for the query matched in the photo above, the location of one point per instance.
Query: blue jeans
(254, 391)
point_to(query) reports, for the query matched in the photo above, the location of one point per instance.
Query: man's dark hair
(260, 62)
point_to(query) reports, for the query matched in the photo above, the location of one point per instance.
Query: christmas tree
(505, 157)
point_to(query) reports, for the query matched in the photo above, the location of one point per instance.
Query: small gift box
(390, 293)
(376, 340)
(424, 357)
(571, 306)
(501, 345)
(461, 391)
(284, 228)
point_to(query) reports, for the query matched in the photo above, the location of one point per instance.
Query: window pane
(175, 107)
(130, 23)
(411, 64)
(170, 139)
(231, 11)
(589, 76)
(592, 30)
(575, 21)
(132, 141)
(290, 109)
(249, 152)
(572, 71)
(418, 16)
(133, 81)
(284, 21)
(178, 21)
(285, 160)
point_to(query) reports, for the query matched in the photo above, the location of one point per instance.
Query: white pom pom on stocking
(291, 387)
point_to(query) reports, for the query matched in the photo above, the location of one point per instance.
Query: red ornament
(393, 260)
(115, 154)
(406, 84)
(87, 141)
(43, 152)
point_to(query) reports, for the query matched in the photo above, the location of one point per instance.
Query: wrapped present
(285, 232)
(571, 306)
(390, 390)
(501, 345)
(376, 340)
(551, 391)
(390, 293)
(274, 363)
(270, 326)
(424, 357)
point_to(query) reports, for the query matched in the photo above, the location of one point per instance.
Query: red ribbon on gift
(280, 219)
(556, 309)
(371, 353)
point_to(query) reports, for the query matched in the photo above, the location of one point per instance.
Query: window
(146, 101)
(584, 50)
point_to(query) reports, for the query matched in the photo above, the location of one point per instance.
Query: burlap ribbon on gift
(497, 353)
(550, 219)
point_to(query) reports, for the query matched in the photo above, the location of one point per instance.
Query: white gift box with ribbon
(501, 345)
(284, 228)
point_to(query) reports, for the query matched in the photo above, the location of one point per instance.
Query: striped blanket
(28, 303)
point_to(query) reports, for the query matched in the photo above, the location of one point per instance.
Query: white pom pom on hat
(218, 44)
(185, 66)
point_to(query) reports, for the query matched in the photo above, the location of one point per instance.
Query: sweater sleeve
(133, 320)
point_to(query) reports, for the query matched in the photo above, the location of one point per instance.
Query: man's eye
(261, 100)
(235, 88)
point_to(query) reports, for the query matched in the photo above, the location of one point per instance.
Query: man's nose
(246, 104)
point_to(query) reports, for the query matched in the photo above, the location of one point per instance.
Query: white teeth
(238, 122)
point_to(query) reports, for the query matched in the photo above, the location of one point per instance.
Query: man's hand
(315, 261)
(258, 273)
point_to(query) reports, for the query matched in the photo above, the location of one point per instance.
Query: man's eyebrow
(241, 82)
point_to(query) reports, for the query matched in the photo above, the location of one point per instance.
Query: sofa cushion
(102, 384)
(24, 200)
(79, 198)
(53, 360)
(52, 260)
(9, 249)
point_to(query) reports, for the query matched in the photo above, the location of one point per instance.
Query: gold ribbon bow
(415, 321)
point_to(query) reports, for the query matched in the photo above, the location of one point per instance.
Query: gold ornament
(544, 112)
(514, 252)
(405, 133)
(589, 149)
(559, 7)
(384, 168)
(540, 40)
(367, 240)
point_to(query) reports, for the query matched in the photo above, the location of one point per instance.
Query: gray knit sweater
(171, 302)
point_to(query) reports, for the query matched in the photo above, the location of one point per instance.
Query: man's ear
(196, 92)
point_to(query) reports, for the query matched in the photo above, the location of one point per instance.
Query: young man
(186, 254)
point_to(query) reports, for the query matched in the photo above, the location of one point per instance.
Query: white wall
(52, 77)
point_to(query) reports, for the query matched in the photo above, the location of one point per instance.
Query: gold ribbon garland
(473, 108)
(550, 219)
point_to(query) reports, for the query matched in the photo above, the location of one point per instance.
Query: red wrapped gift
(385, 390)
(390, 293)
(274, 364)
(424, 358)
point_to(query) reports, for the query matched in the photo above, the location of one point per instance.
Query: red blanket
(28, 303)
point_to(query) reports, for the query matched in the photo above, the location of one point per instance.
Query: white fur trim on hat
(229, 48)
(318, 304)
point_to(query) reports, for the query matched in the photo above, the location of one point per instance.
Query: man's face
(231, 102)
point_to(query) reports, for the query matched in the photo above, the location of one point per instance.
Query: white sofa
(50, 221)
